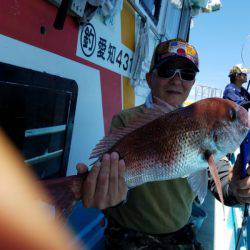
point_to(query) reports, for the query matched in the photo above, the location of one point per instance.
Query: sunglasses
(242, 74)
(185, 74)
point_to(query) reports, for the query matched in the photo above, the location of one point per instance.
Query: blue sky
(219, 37)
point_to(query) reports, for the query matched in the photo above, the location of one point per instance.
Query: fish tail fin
(64, 192)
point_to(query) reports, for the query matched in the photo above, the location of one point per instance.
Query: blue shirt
(236, 94)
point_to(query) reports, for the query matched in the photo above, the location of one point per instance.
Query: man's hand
(105, 185)
(240, 187)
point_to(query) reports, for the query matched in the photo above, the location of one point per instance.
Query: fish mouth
(207, 154)
(244, 116)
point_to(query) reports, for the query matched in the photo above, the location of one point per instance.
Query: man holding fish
(155, 160)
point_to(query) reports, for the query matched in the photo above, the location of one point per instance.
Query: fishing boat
(66, 67)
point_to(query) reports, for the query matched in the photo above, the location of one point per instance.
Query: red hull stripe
(32, 22)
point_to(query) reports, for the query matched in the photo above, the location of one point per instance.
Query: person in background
(156, 215)
(234, 91)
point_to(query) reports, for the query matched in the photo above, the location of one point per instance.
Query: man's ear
(148, 78)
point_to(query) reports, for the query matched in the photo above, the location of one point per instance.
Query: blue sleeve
(245, 93)
(230, 94)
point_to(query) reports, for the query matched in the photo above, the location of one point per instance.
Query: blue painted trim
(89, 227)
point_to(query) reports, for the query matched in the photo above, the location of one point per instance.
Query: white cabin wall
(89, 101)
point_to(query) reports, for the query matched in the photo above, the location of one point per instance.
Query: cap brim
(169, 58)
(245, 70)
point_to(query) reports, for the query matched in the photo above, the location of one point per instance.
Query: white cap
(238, 68)
(243, 69)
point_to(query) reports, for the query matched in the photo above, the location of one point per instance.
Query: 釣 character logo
(88, 39)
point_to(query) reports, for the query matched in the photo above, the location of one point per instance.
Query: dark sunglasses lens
(166, 73)
(243, 75)
(188, 75)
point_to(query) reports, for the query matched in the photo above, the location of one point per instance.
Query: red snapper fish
(162, 144)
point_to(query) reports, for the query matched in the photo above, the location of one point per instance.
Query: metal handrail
(45, 157)
(44, 131)
(144, 18)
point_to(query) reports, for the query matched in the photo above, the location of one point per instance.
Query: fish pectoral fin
(198, 183)
(214, 172)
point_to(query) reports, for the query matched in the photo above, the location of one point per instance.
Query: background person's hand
(105, 185)
(240, 187)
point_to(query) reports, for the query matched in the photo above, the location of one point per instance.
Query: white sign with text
(98, 44)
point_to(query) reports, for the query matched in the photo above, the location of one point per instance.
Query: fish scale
(162, 144)
(158, 157)
(181, 143)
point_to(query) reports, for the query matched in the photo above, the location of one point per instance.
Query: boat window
(152, 8)
(185, 22)
(37, 113)
(173, 17)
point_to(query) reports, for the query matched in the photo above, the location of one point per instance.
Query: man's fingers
(122, 168)
(244, 183)
(241, 200)
(89, 185)
(113, 177)
(105, 185)
(244, 200)
(122, 186)
(244, 193)
(81, 168)
(248, 169)
(237, 168)
(102, 181)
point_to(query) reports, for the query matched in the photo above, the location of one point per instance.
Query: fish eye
(232, 114)
(207, 154)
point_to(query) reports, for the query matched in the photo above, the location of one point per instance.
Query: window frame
(153, 18)
(187, 28)
(17, 75)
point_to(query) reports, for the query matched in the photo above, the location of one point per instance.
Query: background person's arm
(230, 94)
(223, 170)
(235, 190)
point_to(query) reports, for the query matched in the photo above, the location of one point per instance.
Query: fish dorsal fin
(141, 119)
(214, 172)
